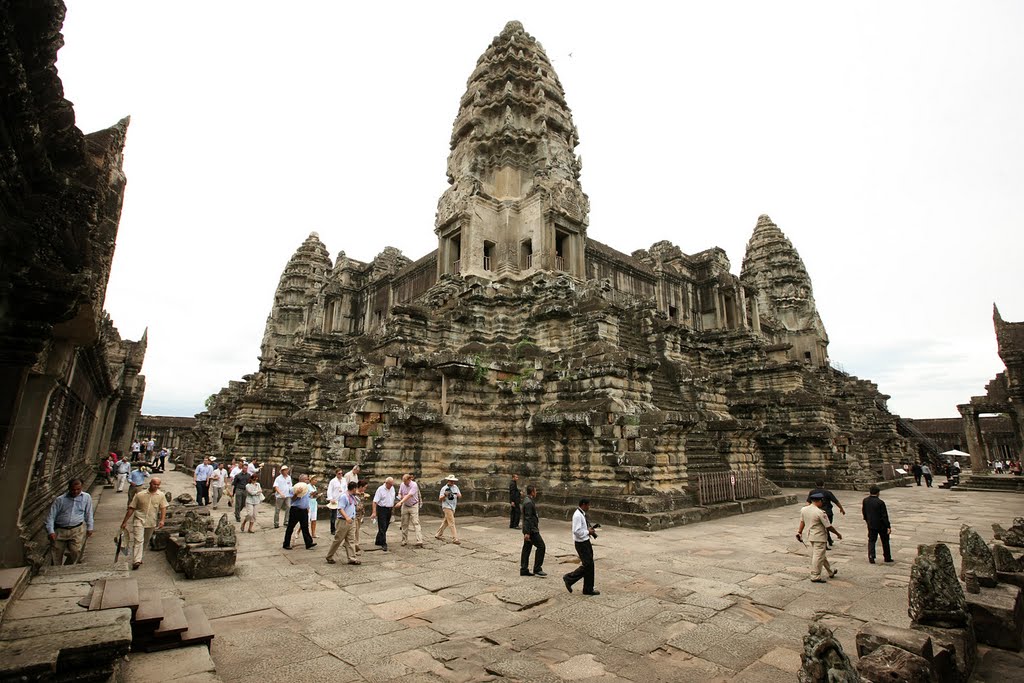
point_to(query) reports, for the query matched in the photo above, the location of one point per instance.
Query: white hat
(451, 477)
(285, 467)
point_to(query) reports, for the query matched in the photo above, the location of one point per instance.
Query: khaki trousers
(69, 541)
(121, 479)
(818, 560)
(345, 535)
(448, 521)
(281, 504)
(411, 518)
(140, 536)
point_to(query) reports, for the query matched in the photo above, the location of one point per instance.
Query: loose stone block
(955, 651)
(935, 596)
(208, 563)
(873, 635)
(998, 615)
(976, 557)
(890, 664)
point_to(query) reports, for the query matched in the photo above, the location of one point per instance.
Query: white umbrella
(957, 454)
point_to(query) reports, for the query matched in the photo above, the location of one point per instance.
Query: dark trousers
(928, 480)
(334, 522)
(586, 569)
(884, 536)
(239, 503)
(917, 478)
(202, 493)
(538, 560)
(383, 521)
(298, 516)
(513, 516)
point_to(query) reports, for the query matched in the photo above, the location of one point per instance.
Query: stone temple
(523, 345)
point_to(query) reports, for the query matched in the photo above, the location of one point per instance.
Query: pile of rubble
(194, 545)
(948, 618)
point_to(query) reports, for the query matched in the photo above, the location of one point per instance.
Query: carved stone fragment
(976, 557)
(823, 659)
(1014, 535)
(935, 597)
(890, 664)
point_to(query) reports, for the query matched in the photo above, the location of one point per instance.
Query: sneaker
(539, 572)
(833, 573)
(286, 547)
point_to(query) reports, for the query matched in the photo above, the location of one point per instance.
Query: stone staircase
(78, 624)
(157, 623)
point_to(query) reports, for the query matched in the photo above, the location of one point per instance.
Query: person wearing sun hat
(298, 515)
(282, 495)
(449, 498)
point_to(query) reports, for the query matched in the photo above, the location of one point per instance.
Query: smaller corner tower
(785, 297)
(514, 205)
(296, 308)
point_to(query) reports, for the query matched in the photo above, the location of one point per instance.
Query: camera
(595, 528)
(449, 494)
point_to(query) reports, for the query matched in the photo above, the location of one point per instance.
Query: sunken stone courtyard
(692, 406)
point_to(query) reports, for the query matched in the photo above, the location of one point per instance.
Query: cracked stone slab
(386, 645)
(526, 596)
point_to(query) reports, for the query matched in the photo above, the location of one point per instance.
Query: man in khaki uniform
(143, 512)
(815, 521)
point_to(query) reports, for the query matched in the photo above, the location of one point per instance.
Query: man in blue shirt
(346, 529)
(69, 523)
(299, 514)
(136, 480)
(202, 480)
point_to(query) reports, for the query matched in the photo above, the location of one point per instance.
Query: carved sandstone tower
(295, 311)
(514, 203)
(775, 270)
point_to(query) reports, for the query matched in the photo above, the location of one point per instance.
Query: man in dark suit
(531, 537)
(877, 519)
(514, 499)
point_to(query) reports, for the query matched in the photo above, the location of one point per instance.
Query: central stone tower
(514, 204)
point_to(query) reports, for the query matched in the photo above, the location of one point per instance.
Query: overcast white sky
(885, 139)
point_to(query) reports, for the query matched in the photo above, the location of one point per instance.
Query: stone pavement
(721, 600)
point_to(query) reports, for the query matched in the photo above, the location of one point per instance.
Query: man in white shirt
(123, 469)
(282, 495)
(352, 475)
(335, 489)
(581, 533)
(217, 479)
(383, 505)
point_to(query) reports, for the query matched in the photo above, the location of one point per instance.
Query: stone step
(120, 593)
(150, 611)
(13, 581)
(199, 629)
(174, 621)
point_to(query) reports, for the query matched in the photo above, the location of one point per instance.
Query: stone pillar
(756, 313)
(12, 383)
(972, 430)
(743, 307)
(17, 471)
(717, 296)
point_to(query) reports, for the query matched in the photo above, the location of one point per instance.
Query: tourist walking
(68, 523)
(143, 511)
(351, 476)
(136, 450)
(201, 477)
(877, 519)
(814, 520)
(449, 498)
(282, 495)
(136, 479)
(514, 500)
(107, 466)
(383, 506)
(218, 478)
(926, 472)
(346, 526)
(239, 484)
(164, 454)
(123, 469)
(336, 488)
(582, 531)
(916, 471)
(360, 510)
(531, 537)
(150, 445)
(250, 495)
(314, 506)
(409, 504)
(829, 500)
(298, 514)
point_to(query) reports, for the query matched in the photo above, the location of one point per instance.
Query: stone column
(743, 307)
(972, 430)
(717, 296)
(17, 471)
(756, 313)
